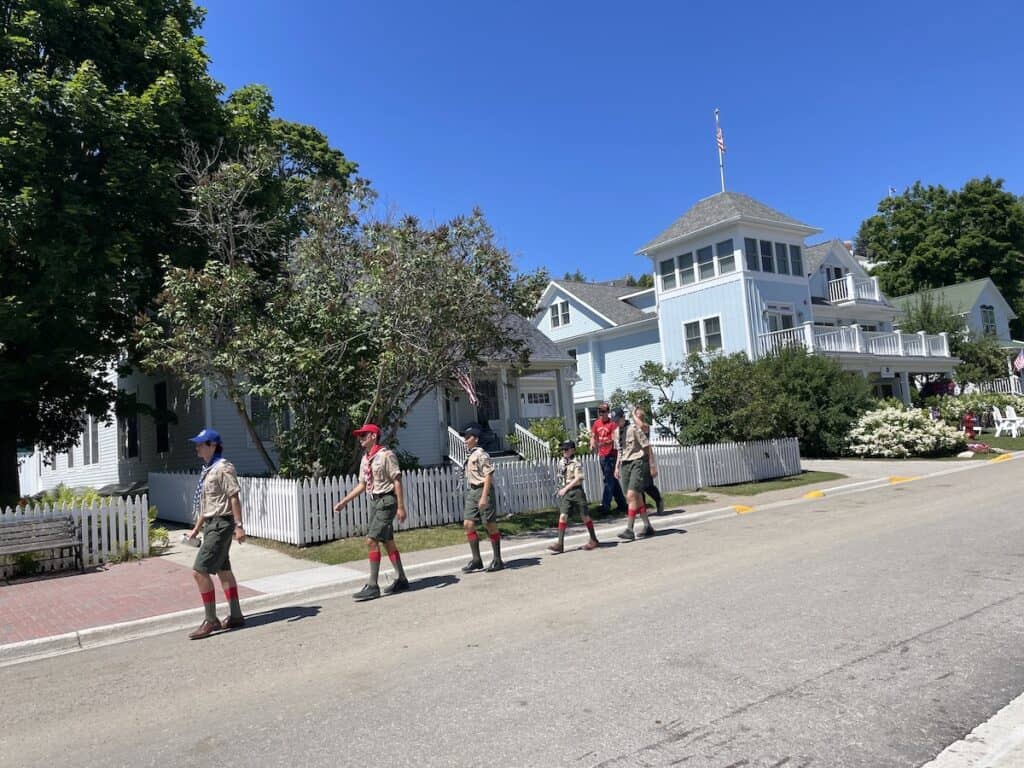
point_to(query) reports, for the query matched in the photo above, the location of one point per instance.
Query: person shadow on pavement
(288, 613)
(521, 562)
(432, 582)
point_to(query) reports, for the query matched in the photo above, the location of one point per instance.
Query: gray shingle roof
(606, 299)
(542, 349)
(814, 256)
(724, 206)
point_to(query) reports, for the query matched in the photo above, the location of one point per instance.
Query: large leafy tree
(931, 236)
(95, 97)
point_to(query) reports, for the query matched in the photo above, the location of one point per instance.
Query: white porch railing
(851, 338)
(1009, 385)
(850, 288)
(457, 450)
(531, 447)
(300, 511)
(110, 527)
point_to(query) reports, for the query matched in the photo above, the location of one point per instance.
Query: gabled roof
(720, 208)
(960, 297)
(815, 255)
(606, 300)
(542, 349)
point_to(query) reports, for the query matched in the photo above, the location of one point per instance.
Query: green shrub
(26, 564)
(901, 433)
(64, 495)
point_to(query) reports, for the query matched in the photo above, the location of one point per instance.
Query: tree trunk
(9, 491)
(239, 404)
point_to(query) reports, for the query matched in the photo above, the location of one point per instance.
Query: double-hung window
(726, 257)
(559, 314)
(91, 441)
(705, 263)
(767, 259)
(781, 259)
(750, 253)
(667, 270)
(988, 320)
(796, 261)
(686, 276)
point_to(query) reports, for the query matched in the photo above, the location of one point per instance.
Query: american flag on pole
(720, 139)
(466, 382)
(1018, 362)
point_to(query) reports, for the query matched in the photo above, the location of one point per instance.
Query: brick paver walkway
(71, 601)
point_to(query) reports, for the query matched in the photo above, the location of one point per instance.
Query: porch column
(858, 338)
(899, 343)
(945, 343)
(905, 387)
(878, 291)
(505, 411)
(924, 343)
(851, 288)
(809, 335)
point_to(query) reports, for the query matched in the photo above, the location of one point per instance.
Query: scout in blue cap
(218, 512)
(478, 473)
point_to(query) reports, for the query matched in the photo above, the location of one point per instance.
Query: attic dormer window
(559, 314)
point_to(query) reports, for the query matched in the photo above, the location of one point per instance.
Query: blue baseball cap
(206, 436)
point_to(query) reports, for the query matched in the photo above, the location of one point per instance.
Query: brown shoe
(206, 629)
(591, 544)
(233, 622)
(556, 548)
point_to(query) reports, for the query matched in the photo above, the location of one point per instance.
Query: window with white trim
(750, 253)
(686, 274)
(988, 320)
(559, 314)
(667, 271)
(130, 436)
(702, 335)
(778, 317)
(781, 259)
(705, 263)
(91, 441)
(726, 257)
(796, 261)
(575, 364)
(767, 259)
(538, 398)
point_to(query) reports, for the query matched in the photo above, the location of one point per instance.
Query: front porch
(852, 339)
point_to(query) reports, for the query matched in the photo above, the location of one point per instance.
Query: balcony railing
(850, 338)
(850, 288)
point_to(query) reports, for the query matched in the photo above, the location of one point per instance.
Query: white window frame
(559, 314)
(988, 325)
(538, 398)
(90, 441)
(725, 255)
(702, 324)
(751, 255)
(671, 275)
(778, 311)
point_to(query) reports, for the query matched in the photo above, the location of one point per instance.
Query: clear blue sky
(584, 129)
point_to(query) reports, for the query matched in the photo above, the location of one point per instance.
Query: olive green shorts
(472, 510)
(635, 475)
(575, 501)
(382, 517)
(213, 554)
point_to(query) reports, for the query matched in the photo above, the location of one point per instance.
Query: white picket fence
(300, 511)
(109, 527)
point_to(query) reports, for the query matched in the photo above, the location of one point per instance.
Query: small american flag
(1018, 362)
(462, 376)
(720, 139)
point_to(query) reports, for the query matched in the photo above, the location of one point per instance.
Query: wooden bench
(32, 535)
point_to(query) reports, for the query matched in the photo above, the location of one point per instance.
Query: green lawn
(752, 489)
(347, 550)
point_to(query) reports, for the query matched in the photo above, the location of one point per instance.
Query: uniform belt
(477, 487)
(382, 495)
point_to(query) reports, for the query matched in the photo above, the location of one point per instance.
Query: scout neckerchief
(199, 486)
(368, 478)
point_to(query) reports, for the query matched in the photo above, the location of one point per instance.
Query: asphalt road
(865, 630)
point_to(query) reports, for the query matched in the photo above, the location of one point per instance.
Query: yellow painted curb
(742, 510)
(1002, 457)
(895, 480)
(814, 494)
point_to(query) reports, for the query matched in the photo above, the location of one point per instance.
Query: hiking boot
(368, 592)
(661, 506)
(591, 544)
(556, 548)
(205, 629)
(400, 584)
(473, 565)
(649, 531)
(627, 535)
(496, 565)
(232, 622)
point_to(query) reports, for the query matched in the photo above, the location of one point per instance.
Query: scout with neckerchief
(478, 473)
(635, 470)
(380, 476)
(571, 497)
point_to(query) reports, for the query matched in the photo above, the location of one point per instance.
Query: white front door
(539, 405)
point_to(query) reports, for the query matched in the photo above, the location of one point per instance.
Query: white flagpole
(721, 159)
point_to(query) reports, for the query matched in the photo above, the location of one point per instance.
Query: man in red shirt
(605, 437)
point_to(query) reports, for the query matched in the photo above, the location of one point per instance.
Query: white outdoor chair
(1016, 422)
(1011, 424)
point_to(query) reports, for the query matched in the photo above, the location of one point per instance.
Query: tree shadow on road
(289, 613)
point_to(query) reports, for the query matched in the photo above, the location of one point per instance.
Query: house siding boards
(967, 299)
(716, 300)
(421, 434)
(582, 320)
(620, 358)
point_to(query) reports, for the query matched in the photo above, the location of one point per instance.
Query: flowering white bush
(898, 433)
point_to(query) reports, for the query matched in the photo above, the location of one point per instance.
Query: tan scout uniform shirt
(219, 485)
(478, 466)
(569, 470)
(634, 445)
(380, 472)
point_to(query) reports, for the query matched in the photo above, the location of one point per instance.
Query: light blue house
(734, 275)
